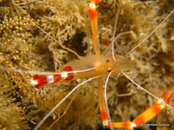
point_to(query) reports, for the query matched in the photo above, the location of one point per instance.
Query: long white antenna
(41, 73)
(105, 97)
(44, 119)
(151, 32)
(144, 89)
(64, 47)
(115, 29)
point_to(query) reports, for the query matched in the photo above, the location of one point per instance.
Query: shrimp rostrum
(49, 92)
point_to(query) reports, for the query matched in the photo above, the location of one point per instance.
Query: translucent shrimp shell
(102, 65)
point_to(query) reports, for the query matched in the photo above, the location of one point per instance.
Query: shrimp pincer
(95, 65)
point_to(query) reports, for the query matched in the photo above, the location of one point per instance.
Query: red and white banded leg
(40, 80)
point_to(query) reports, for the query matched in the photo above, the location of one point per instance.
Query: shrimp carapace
(95, 65)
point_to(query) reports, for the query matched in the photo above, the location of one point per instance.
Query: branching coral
(35, 35)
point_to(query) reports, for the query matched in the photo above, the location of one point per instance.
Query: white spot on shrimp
(105, 122)
(92, 5)
(34, 82)
(64, 75)
(160, 101)
(50, 79)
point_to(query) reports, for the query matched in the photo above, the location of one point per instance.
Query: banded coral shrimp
(43, 93)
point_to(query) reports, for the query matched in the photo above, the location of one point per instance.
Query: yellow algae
(25, 46)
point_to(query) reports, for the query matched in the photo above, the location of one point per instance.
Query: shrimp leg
(144, 117)
(102, 105)
(94, 26)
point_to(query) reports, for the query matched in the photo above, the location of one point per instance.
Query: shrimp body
(95, 65)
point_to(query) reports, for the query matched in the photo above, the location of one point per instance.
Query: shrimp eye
(109, 70)
(107, 61)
